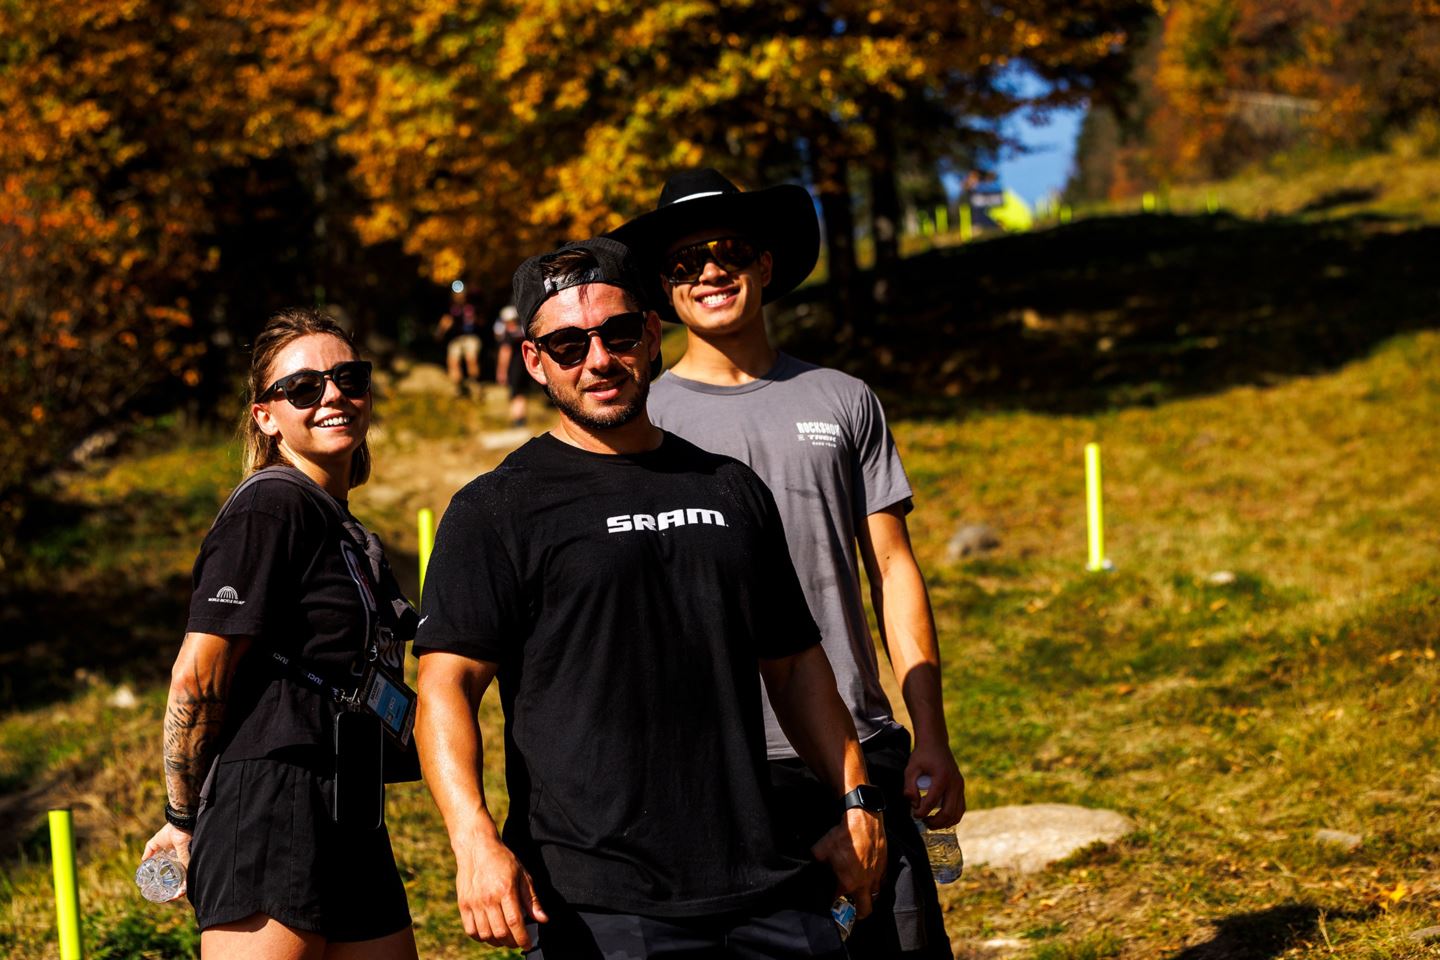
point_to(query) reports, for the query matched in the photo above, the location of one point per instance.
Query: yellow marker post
(1148, 202)
(426, 519)
(67, 891)
(1093, 508)
(966, 227)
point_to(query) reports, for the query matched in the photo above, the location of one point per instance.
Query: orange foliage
(1237, 79)
(115, 118)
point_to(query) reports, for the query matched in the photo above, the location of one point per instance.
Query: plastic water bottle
(843, 910)
(942, 847)
(161, 878)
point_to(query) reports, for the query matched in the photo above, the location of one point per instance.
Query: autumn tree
(168, 175)
(1233, 81)
(540, 120)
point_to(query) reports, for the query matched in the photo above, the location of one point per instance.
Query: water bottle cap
(923, 781)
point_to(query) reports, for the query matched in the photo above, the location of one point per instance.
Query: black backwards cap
(614, 265)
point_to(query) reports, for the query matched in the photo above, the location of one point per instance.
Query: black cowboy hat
(780, 219)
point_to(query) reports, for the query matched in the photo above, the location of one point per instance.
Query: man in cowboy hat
(819, 440)
(628, 591)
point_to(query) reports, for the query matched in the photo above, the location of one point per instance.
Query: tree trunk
(833, 185)
(884, 212)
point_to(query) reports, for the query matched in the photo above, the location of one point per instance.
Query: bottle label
(843, 910)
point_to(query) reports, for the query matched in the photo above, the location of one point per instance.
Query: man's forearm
(907, 624)
(909, 630)
(451, 751)
(814, 718)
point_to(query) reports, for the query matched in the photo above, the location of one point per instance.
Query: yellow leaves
(446, 264)
(1387, 899)
(572, 94)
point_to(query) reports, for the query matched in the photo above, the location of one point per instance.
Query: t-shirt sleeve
(243, 575)
(879, 477)
(473, 602)
(791, 627)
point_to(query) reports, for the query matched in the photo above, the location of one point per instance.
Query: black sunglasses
(731, 253)
(304, 388)
(569, 346)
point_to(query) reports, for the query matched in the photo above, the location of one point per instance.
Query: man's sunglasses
(305, 388)
(569, 346)
(731, 253)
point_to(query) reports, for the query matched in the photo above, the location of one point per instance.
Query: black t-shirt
(627, 601)
(274, 568)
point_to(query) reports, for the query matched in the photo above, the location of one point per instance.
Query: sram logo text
(627, 522)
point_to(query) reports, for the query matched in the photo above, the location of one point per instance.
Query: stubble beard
(611, 419)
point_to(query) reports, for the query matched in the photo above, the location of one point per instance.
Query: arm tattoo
(193, 720)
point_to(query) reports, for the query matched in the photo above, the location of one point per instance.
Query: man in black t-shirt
(629, 591)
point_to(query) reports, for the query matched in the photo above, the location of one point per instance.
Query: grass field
(1230, 717)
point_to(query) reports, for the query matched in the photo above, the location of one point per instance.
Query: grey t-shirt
(818, 439)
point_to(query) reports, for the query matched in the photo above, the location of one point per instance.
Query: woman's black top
(273, 568)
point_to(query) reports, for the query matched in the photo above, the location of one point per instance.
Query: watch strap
(867, 797)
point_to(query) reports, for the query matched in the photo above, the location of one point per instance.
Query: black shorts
(265, 843)
(580, 934)
(517, 376)
(906, 920)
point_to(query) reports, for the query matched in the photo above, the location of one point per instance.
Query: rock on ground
(971, 539)
(1339, 838)
(425, 378)
(1028, 837)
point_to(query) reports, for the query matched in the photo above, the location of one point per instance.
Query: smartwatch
(867, 797)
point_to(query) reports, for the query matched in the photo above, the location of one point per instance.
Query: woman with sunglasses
(282, 620)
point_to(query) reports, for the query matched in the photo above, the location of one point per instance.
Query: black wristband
(867, 797)
(177, 819)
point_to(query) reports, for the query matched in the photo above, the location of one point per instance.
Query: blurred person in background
(274, 780)
(819, 440)
(510, 363)
(459, 329)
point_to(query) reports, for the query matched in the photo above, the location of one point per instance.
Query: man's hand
(855, 850)
(943, 804)
(495, 895)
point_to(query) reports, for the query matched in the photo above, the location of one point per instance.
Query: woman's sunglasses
(731, 253)
(305, 388)
(568, 346)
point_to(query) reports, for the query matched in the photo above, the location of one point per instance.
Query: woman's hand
(172, 840)
(175, 843)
